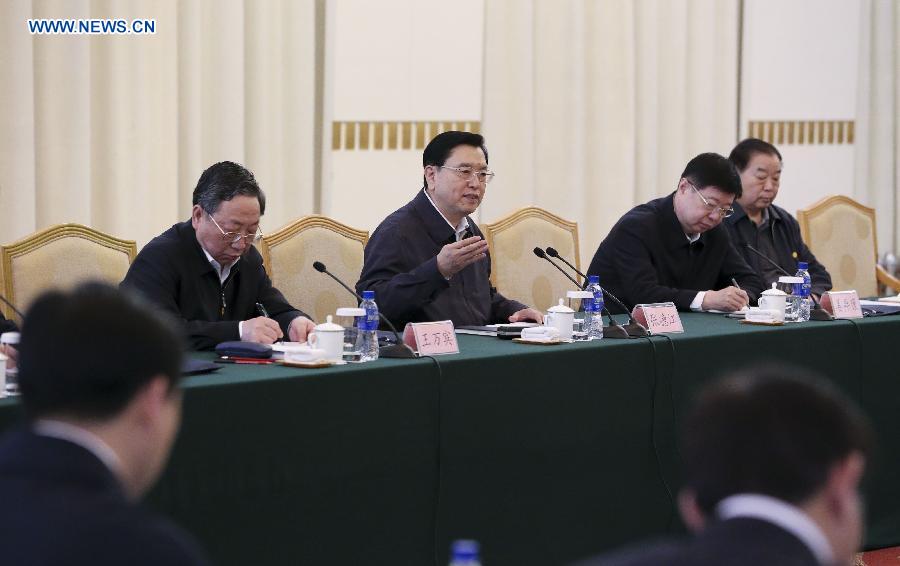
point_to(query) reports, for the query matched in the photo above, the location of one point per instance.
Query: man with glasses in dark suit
(428, 260)
(207, 272)
(675, 249)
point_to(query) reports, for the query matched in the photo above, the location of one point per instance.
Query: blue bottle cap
(593, 279)
(368, 295)
(802, 265)
(464, 549)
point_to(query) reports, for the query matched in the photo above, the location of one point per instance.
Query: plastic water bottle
(593, 318)
(803, 290)
(464, 553)
(368, 328)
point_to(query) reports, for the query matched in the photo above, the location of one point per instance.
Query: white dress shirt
(781, 514)
(87, 440)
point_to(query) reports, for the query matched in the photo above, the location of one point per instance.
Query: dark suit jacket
(401, 267)
(172, 271)
(788, 243)
(61, 506)
(7, 325)
(735, 542)
(646, 258)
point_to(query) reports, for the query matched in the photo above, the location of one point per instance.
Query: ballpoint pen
(261, 309)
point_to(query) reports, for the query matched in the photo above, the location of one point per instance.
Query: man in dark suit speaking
(773, 461)
(99, 380)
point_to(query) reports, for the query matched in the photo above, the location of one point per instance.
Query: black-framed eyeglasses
(483, 176)
(724, 211)
(235, 237)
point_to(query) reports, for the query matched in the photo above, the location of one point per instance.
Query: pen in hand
(733, 282)
(261, 309)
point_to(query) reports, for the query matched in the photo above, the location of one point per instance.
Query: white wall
(800, 63)
(403, 61)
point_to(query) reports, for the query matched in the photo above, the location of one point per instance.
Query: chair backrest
(290, 252)
(61, 257)
(841, 234)
(515, 270)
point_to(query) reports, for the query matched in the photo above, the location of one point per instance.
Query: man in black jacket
(773, 460)
(207, 272)
(99, 375)
(758, 224)
(674, 249)
(428, 260)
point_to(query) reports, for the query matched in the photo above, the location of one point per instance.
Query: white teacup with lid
(329, 337)
(775, 300)
(561, 318)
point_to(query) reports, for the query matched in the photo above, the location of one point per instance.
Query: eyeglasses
(723, 211)
(235, 237)
(483, 176)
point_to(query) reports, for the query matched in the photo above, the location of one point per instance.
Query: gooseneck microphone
(817, 312)
(634, 328)
(553, 253)
(540, 253)
(767, 258)
(614, 330)
(13, 307)
(398, 350)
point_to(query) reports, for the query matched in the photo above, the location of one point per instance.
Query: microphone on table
(13, 307)
(614, 330)
(817, 312)
(634, 328)
(398, 350)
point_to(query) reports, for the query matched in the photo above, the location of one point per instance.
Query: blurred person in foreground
(773, 461)
(99, 378)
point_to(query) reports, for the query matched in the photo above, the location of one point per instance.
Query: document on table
(491, 329)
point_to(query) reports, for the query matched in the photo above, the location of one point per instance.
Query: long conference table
(543, 454)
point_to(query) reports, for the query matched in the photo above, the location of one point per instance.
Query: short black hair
(86, 352)
(224, 181)
(441, 146)
(713, 170)
(774, 430)
(744, 151)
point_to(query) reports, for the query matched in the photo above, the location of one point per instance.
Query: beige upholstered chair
(841, 234)
(290, 252)
(61, 257)
(516, 271)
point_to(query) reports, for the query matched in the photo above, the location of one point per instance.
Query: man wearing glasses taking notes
(675, 249)
(428, 260)
(207, 271)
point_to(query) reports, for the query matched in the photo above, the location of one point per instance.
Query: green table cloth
(542, 453)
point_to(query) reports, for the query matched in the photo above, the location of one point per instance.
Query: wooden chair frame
(46, 236)
(302, 224)
(804, 215)
(493, 228)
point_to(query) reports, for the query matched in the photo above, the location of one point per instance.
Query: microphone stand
(633, 328)
(817, 313)
(614, 330)
(398, 350)
(13, 307)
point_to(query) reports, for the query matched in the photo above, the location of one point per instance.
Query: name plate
(431, 338)
(842, 304)
(659, 318)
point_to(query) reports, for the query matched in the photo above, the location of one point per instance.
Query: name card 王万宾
(659, 318)
(842, 304)
(431, 338)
